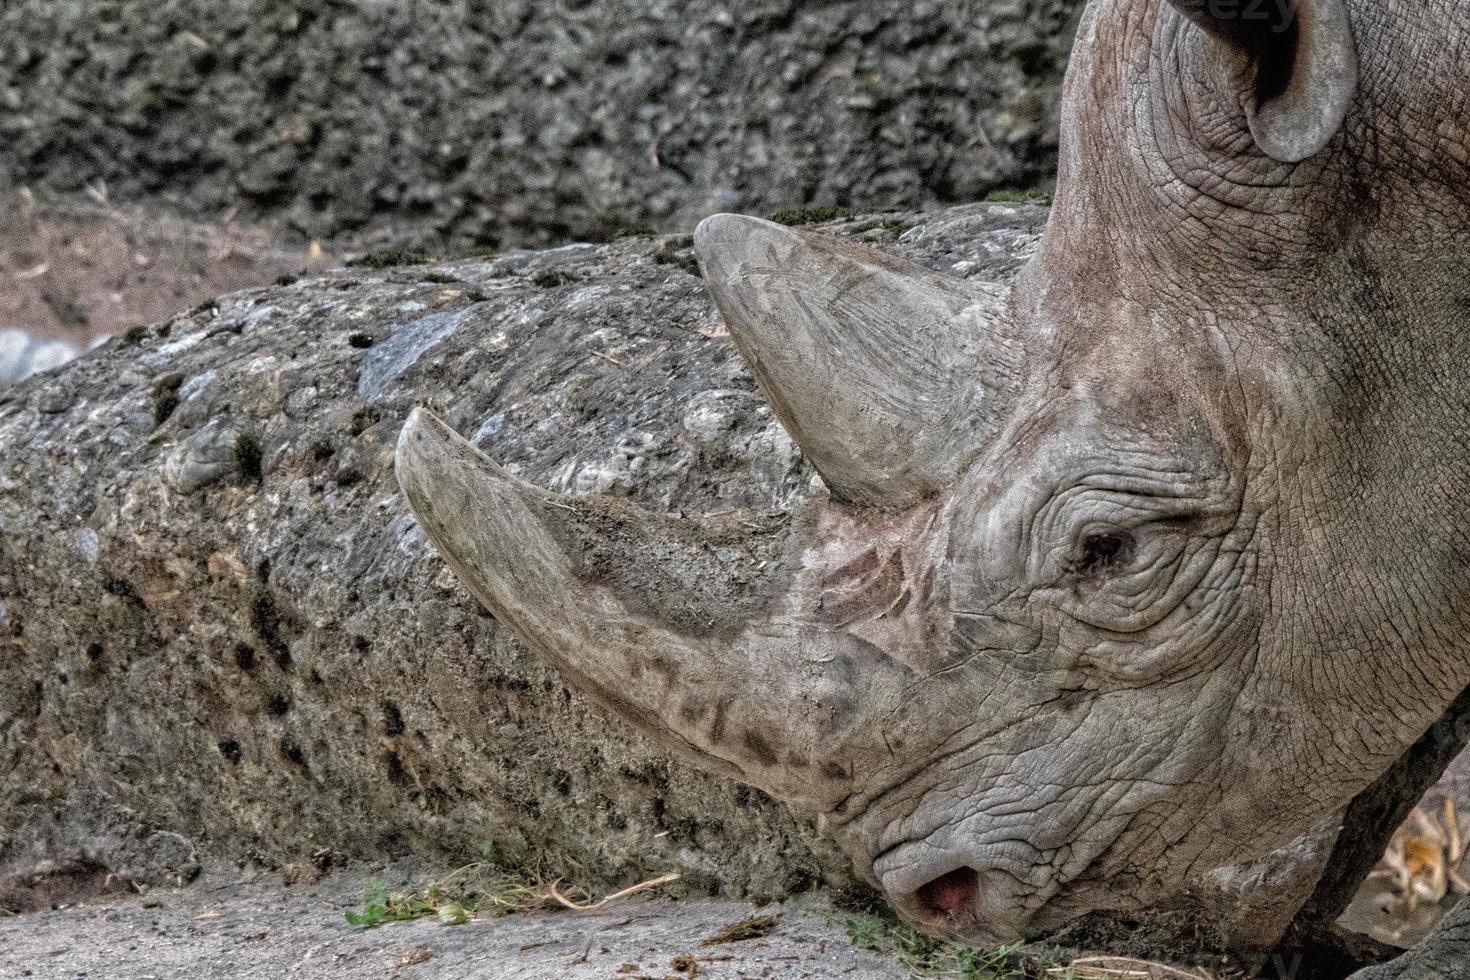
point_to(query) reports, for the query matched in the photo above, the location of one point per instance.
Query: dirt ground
(224, 927)
(228, 925)
(80, 269)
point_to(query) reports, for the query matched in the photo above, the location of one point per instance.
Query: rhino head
(1130, 574)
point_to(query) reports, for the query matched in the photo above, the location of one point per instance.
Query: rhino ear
(883, 372)
(1301, 56)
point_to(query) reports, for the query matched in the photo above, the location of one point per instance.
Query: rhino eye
(1105, 552)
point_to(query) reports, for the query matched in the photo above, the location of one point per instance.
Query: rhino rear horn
(1303, 62)
(883, 372)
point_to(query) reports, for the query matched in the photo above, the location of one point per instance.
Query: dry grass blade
(642, 886)
(752, 927)
(1121, 967)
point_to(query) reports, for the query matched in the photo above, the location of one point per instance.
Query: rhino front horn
(628, 606)
(886, 374)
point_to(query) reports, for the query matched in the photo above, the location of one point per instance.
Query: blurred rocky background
(527, 122)
(155, 155)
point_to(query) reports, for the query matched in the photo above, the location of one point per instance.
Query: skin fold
(1131, 576)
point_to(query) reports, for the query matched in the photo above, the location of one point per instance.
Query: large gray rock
(1444, 955)
(529, 121)
(221, 630)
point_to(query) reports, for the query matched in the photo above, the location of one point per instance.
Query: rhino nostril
(949, 892)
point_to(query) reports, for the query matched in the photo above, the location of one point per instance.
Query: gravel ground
(226, 927)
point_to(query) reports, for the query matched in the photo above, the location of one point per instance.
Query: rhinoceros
(1128, 577)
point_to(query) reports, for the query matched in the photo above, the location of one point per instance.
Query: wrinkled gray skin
(1129, 578)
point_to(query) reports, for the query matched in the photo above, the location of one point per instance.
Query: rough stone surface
(221, 632)
(527, 122)
(1444, 955)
